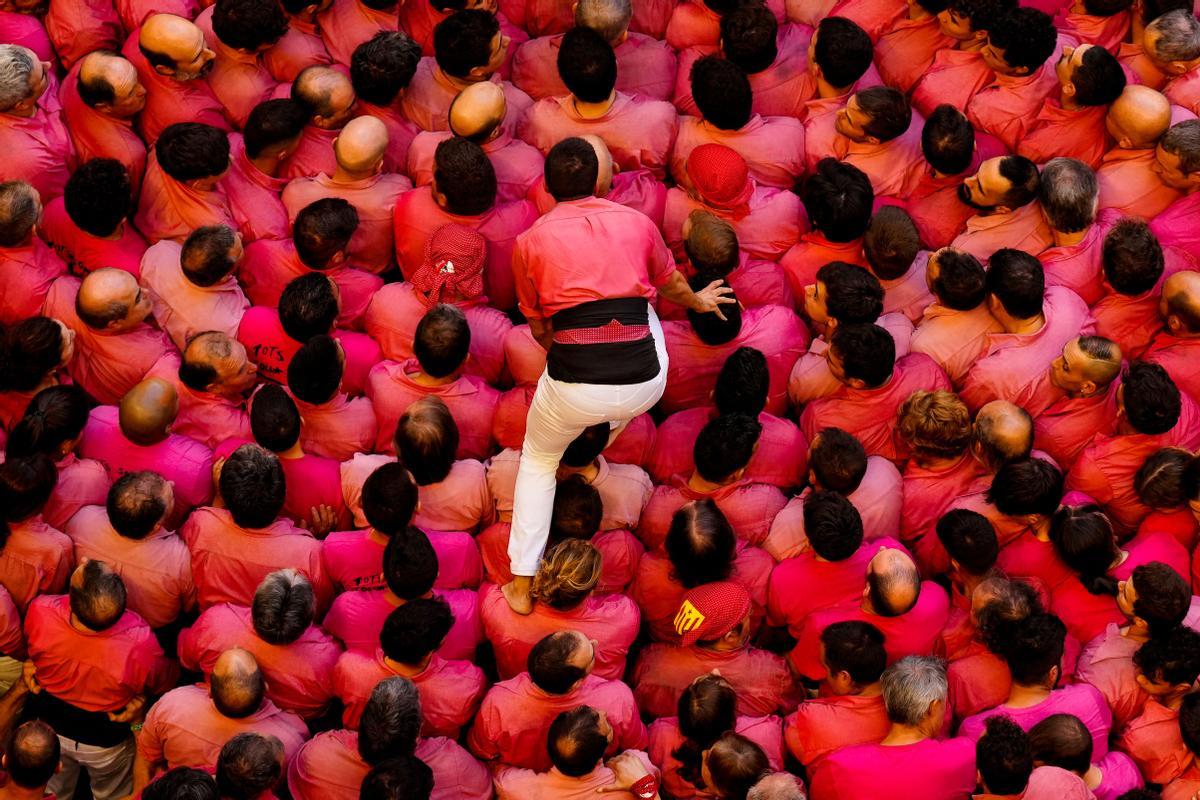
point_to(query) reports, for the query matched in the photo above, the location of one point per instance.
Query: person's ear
(1173, 324)
(165, 71)
(873, 140)
(1145, 685)
(1002, 210)
(856, 383)
(1088, 388)
(1176, 67)
(1068, 89)
(1125, 143)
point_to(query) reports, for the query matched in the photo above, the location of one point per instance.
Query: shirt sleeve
(481, 740)
(150, 737)
(661, 263)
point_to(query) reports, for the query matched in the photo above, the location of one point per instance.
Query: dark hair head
(98, 196)
(315, 372)
(55, 416)
(743, 383)
(969, 539)
(204, 258)
(748, 37)
(274, 418)
(587, 446)
(136, 504)
(838, 460)
(549, 662)
(416, 629)
(427, 440)
(948, 140)
(709, 328)
(400, 778)
(1026, 36)
(308, 306)
(833, 525)
(442, 340)
(571, 169)
(1008, 605)
(322, 230)
(722, 92)
(1150, 398)
(961, 283)
(856, 648)
(1132, 257)
(1003, 757)
(25, 486)
(1083, 538)
(577, 513)
(707, 708)
(1023, 179)
(852, 294)
(464, 175)
(389, 498)
(1017, 281)
(182, 783)
(1027, 486)
(187, 151)
(98, 600)
(867, 353)
(838, 198)
(725, 445)
(1099, 79)
(1036, 648)
(934, 425)
(700, 544)
(1063, 741)
(1172, 657)
(253, 486)
(575, 742)
(248, 25)
(712, 244)
(390, 722)
(248, 765)
(272, 123)
(735, 764)
(891, 242)
(587, 65)
(843, 51)
(29, 351)
(463, 41)
(383, 65)
(888, 111)
(32, 755)
(1163, 597)
(284, 607)
(410, 564)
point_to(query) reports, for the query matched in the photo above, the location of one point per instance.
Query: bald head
(604, 176)
(1003, 432)
(359, 148)
(1139, 117)
(1180, 304)
(327, 94)
(893, 582)
(147, 411)
(237, 686)
(609, 18)
(111, 301)
(175, 47)
(477, 111)
(109, 84)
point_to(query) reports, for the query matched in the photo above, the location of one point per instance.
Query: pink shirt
(1107, 663)
(417, 216)
(36, 559)
(1177, 357)
(167, 100)
(1079, 700)
(761, 679)
(639, 131)
(185, 729)
(134, 12)
(1080, 267)
(894, 167)
(354, 561)
(461, 502)
(238, 79)
(450, 691)
(933, 203)
(12, 638)
(813, 251)
(312, 481)
(229, 561)
(637, 189)
(928, 492)
(328, 767)
(811, 377)
(79, 27)
(253, 196)
(39, 148)
(400, 133)
(954, 77)
(930, 769)
(1169, 225)
(182, 308)
(96, 134)
(1129, 184)
(106, 365)
(781, 457)
(169, 209)
(515, 717)
(1027, 556)
(624, 489)
(29, 272)
(81, 482)
(313, 155)
(518, 165)
(774, 331)
(94, 670)
(272, 349)
(1008, 109)
(157, 569)
(694, 23)
(1155, 744)
(426, 100)
(1071, 133)
(870, 414)
(299, 674)
(1066, 428)
(908, 294)
(877, 499)
(955, 339)
(302, 46)
(905, 53)
(1014, 365)
(525, 784)
(773, 147)
(773, 223)
(645, 66)
(620, 552)
(270, 265)
(84, 252)
(27, 30)
(665, 739)
(208, 418)
(348, 23)
(749, 507)
(1132, 321)
(373, 198)
(1023, 229)
(1184, 90)
(356, 618)
(824, 725)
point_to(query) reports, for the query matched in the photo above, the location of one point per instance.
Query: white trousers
(109, 769)
(558, 414)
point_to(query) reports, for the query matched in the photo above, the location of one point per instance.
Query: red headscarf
(721, 178)
(454, 259)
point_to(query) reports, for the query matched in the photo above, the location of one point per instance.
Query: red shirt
(96, 134)
(39, 148)
(36, 559)
(348, 23)
(268, 346)
(905, 53)
(78, 27)
(81, 482)
(773, 147)
(813, 251)
(773, 221)
(927, 494)
(254, 196)
(1065, 429)
(1070, 133)
(299, 674)
(373, 198)
(30, 271)
(94, 670)
(824, 725)
(749, 507)
(666, 738)
(620, 554)
(1154, 742)
(780, 459)
(645, 66)
(761, 679)
(171, 209)
(954, 77)
(84, 252)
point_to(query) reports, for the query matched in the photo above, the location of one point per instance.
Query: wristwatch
(646, 788)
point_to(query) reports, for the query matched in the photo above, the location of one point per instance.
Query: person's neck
(407, 670)
(292, 453)
(700, 484)
(1173, 701)
(972, 45)
(899, 735)
(376, 537)
(1135, 633)
(393, 598)
(870, 690)
(460, 83)
(588, 473)
(594, 110)
(1025, 696)
(1093, 777)
(935, 462)
(23, 114)
(1024, 326)
(266, 164)
(915, 12)
(343, 175)
(422, 378)
(1068, 102)
(1069, 239)
(14, 792)
(827, 92)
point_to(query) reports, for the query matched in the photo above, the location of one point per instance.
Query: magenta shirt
(1079, 699)
(929, 769)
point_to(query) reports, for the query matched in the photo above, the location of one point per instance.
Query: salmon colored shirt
(518, 165)
(773, 147)
(620, 554)
(373, 198)
(774, 220)
(1132, 321)
(824, 725)
(348, 23)
(272, 350)
(894, 167)
(81, 482)
(954, 77)
(157, 569)
(182, 308)
(1185, 786)
(624, 489)
(761, 678)
(36, 559)
(29, 271)
(134, 12)
(525, 784)
(401, 133)
(357, 618)
(927, 493)
(930, 769)
(1009, 108)
(80, 26)
(169, 209)
(811, 377)
(781, 457)
(238, 79)
(693, 23)
(253, 196)
(1023, 229)
(1154, 743)
(749, 507)
(666, 738)
(933, 203)
(1080, 267)
(313, 155)
(802, 262)
(206, 417)
(1129, 184)
(167, 100)
(905, 53)
(302, 46)
(955, 339)
(645, 66)
(1177, 356)
(1067, 427)
(97, 135)
(1107, 663)
(426, 100)
(84, 252)
(1070, 133)
(1184, 90)
(460, 502)
(38, 148)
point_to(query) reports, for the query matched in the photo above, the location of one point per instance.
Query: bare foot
(516, 592)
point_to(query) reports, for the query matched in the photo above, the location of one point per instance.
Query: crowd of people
(532, 399)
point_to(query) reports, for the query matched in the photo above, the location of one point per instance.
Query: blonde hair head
(568, 573)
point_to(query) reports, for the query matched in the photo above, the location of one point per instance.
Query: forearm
(676, 290)
(141, 773)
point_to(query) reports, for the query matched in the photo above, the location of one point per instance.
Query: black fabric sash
(604, 363)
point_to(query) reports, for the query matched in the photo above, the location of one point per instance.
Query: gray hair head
(20, 209)
(910, 686)
(777, 786)
(390, 722)
(1183, 141)
(609, 18)
(1069, 193)
(1176, 36)
(16, 63)
(284, 606)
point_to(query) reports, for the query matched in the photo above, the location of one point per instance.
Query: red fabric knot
(454, 260)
